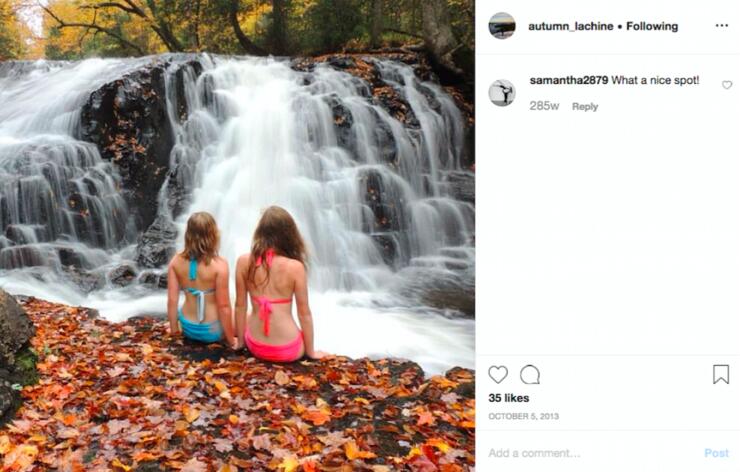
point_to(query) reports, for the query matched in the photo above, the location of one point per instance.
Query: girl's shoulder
(220, 262)
(176, 259)
(244, 259)
(293, 265)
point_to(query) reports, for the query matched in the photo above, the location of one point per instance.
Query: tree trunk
(439, 40)
(247, 45)
(278, 32)
(163, 30)
(376, 22)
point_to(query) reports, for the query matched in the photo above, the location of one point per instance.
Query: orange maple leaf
(316, 416)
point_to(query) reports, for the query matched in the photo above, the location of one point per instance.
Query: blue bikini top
(199, 294)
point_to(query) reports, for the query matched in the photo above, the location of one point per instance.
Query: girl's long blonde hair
(201, 238)
(276, 230)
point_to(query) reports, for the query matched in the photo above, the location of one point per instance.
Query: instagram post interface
(369, 235)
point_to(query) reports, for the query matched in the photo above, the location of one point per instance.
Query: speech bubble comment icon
(530, 375)
(498, 373)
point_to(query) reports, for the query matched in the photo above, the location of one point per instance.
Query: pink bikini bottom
(283, 353)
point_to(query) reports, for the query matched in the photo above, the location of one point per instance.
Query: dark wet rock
(16, 257)
(163, 280)
(447, 294)
(127, 119)
(342, 62)
(387, 147)
(149, 278)
(462, 186)
(13, 377)
(16, 328)
(16, 234)
(189, 71)
(178, 196)
(122, 275)
(440, 288)
(86, 281)
(393, 102)
(153, 279)
(16, 331)
(431, 98)
(157, 244)
(387, 244)
(385, 201)
(343, 122)
(70, 257)
(7, 398)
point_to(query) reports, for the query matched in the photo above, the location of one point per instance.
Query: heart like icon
(498, 373)
(727, 84)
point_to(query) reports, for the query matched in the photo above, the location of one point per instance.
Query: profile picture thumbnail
(502, 93)
(502, 25)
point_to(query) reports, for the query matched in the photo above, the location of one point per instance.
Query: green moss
(24, 370)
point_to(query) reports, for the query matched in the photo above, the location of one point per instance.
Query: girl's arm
(304, 312)
(223, 302)
(242, 298)
(173, 295)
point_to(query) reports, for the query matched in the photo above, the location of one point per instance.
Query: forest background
(76, 29)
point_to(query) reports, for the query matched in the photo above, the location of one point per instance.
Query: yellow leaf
(353, 452)
(233, 419)
(4, 444)
(364, 401)
(120, 465)
(21, 458)
(439, 444)
(146, 349)
(220, 386)
(289, 464)
(191, 414)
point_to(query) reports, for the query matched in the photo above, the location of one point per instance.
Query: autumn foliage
(127, 397)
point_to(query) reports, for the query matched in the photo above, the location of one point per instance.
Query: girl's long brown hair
(201, 238)
(276, 230)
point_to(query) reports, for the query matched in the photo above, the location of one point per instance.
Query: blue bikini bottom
(203, 332)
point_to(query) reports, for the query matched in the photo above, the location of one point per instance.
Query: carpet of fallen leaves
(127, 397)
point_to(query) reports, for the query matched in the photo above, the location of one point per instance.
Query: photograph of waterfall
(109, 143)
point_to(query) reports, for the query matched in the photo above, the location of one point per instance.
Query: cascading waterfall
(369, 193)
(60, 203)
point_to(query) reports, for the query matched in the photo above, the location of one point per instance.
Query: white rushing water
(256, 133)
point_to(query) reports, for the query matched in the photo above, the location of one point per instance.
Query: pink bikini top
(265, 303)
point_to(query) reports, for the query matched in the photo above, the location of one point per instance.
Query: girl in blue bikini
(203, 276)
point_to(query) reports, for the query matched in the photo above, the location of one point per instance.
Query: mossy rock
(24, 371)
(13, 378)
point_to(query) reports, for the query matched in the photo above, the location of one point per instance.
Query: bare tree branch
(405, 33)
(98, 6)
(92, 26)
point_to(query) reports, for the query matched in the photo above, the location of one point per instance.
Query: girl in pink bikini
(270, 277)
